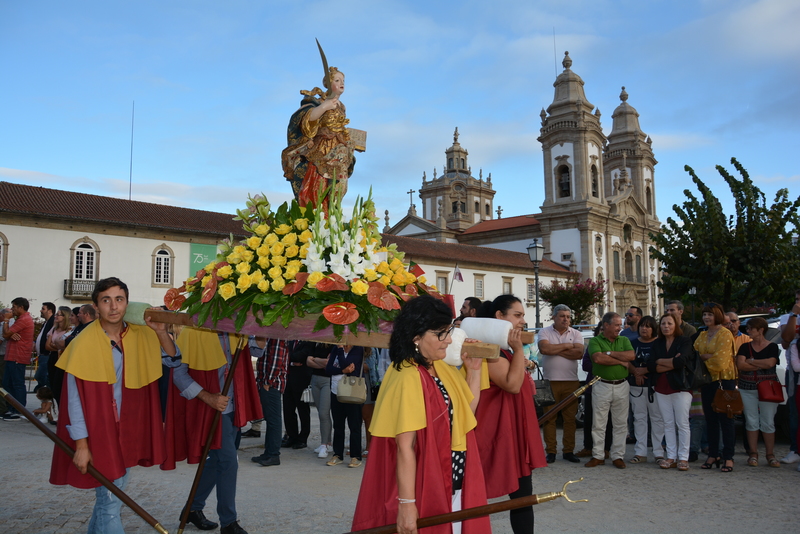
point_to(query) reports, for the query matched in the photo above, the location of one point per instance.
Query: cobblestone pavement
(303, 495)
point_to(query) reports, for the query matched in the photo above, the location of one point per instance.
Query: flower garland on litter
(300, 261)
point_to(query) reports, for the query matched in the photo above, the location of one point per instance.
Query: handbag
(727, 401)
(307, 396)
(352, 389)
(769, 390)
(544, 393)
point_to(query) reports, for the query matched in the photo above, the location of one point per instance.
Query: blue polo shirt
(601, 344)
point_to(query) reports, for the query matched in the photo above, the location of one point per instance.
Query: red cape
(377, 499)
(114, 446)
(508, 437)
(189, 421)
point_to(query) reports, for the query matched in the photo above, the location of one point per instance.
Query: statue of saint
(320, 147)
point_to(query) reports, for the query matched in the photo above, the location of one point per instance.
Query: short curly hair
(416, 317)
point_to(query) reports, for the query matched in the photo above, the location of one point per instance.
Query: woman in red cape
(423, 458)
(508, 429)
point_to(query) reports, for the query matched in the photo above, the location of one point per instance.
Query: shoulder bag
(728, 401)
(353, 389)
(769, 390)
(544, 393)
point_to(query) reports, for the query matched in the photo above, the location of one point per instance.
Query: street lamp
(536, 254)
(693, 292)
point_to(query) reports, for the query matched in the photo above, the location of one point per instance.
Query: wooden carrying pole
(61, 444)
(478, 511)
(552, 412)
(211, 432)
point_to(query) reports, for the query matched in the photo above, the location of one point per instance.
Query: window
(566, 257)
(628, 267)
(477, 208)
(488, 210)
(649, 200)
(507, 287)
(3, 255)
(463, 164)
(441, 281)
(163, 260)
(564, 182)
(639, 269)
(84, 262)
(616, 265)
(595, 183)
(627, 232)
(479, 286)
(449, 163)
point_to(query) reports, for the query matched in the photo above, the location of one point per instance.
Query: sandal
(727, 468)
(772, 461)
(638, 459)
(683, 465)
(752, 460)
(668, 464)
(711, 463)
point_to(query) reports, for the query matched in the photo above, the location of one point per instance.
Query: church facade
(599, 199)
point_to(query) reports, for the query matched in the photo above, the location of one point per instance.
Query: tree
(738, 261)
(579, 296)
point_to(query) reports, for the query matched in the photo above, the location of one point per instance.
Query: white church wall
(567, 241)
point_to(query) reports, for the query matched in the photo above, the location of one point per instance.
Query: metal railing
(78, 288)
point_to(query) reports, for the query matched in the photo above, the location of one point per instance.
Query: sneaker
(791, 458)
(335, 460)
(322, 452)
(354, 462)
(11, 417)
(319, 448)
(329, 448)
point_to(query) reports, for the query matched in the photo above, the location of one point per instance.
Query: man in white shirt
(562, 348)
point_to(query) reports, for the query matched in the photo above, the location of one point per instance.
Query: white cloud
(680, 141)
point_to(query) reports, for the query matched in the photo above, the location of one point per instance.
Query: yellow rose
(227, 291)
(205, 281)
(396, 265)
(239, 249)
(291, 272)
(247, 256)
(225, 272)
(301, 224)
(262, 230)
(283, 229)
(398, 279)
(306, 236)
(278, 284)
(383, 268)
(370, 275)
(270, 240)
(292, 251)
(289, 239)
(263, 251)
(233, 258)
(263, 262)
(263, 286)
(243, 268)
(359, 287)
(422, 279)
(314, 277)
(277, 249)
(210, 267)
(275, 272)
(279, 261)
(256, 276)
(304, 251)
(295, 263)
(253, 242)
(385, 280)
(410, 278)
(244, 283)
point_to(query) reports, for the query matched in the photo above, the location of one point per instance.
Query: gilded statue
(320, 147)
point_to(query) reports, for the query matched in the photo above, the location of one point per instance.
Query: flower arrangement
(300, 261)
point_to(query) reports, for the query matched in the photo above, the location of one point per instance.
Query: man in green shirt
(610, 355)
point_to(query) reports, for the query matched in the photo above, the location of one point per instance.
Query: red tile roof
(502, 224)
(41, 201)
(416, 249)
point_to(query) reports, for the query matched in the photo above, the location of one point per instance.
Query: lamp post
(536, 253)
(693, 292)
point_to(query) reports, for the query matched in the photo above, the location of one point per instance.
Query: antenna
(130, 172)
(555, 59)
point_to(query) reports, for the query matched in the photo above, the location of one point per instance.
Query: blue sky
(215, 83)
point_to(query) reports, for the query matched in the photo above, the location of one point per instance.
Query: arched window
(3, 255)
(628, 267)
(616, 265)
(477, 207)
(648, 200)
(163, 260)
(463, 164)
(595, 183)
(564, 185)
(84, 260)
(639, 269)
(488, 210)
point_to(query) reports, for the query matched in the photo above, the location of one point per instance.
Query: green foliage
(740, 260)
(581, 297)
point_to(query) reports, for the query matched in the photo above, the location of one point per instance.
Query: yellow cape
(201, 349)
(400, 406)
(89, 358)
(485, 382)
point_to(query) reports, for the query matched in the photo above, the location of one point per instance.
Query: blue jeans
(271, 406)
(14, 383)
(105, 516)
(221, 469)
(41, 371)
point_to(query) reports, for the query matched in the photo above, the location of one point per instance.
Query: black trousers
(297, 381)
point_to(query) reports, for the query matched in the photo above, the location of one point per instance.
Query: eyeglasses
(442, 334)
(630, 315)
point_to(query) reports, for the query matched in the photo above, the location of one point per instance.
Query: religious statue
(320, 147)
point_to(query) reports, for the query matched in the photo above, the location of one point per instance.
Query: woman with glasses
(757, 361)
(423, 457)
(715, 347)
(62, 327)
(642, 402)
(508, 429)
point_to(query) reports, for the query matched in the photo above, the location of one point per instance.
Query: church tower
(464, 199)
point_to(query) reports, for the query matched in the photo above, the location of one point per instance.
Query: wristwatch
(792, 315)
(608, 353)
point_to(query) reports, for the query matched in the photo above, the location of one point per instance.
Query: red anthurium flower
(381, 297)
(341, 312)
(295, 285)
(209, 290)
(173, 299)
(332, 282)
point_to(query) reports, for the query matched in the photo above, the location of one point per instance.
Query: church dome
(568, 90)
(626, 118)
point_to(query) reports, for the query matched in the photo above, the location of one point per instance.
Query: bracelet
(406, 501)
